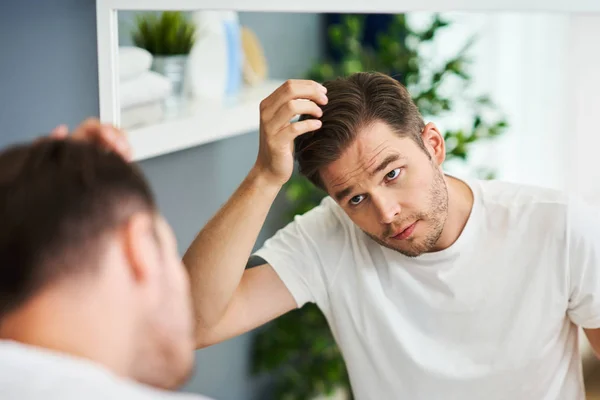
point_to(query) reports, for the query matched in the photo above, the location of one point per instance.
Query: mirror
(503, 86)
(513, 91)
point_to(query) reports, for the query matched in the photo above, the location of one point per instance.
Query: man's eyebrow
(387, 161)
(383, 165)
(343, 193)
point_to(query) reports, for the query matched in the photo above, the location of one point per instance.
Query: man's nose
(387, 208)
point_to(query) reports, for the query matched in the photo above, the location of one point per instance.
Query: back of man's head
(81, 240)
(58, 201)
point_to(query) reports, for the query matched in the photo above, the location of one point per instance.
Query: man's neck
(73, 325)
(460, 204)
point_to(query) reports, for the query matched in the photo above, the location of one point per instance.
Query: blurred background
(516, 96)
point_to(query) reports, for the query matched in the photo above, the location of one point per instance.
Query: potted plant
(298, 349)
(169, 36)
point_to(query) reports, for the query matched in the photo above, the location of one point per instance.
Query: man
(94, 299)
(434, 287)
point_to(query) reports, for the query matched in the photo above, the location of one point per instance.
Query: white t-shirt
(33, 373)
(491, 317)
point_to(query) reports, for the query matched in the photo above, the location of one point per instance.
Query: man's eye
(393, 174)
(356, 199)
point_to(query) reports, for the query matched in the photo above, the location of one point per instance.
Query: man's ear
(434, 143)
(139, 242)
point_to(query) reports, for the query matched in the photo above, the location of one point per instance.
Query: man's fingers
(292, 90)
(299, 128)
(289, 110)
(87, 129)
(60, 132)
(93, 131)
(116, 140)
(105, 135)
(112, 138)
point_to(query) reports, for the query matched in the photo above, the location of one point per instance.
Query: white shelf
(202, 122)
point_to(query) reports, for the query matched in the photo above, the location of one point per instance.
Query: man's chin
(403, 247)
(408, 251)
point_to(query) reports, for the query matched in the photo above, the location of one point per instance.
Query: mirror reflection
(511, 93)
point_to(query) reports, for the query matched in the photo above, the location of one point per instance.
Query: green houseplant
(168, 33)
(298, 349)
(169, 36)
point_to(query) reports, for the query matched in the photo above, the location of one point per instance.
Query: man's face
(391, 188)
(166, 357)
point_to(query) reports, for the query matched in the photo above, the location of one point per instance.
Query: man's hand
(104, 135)
(275, 159)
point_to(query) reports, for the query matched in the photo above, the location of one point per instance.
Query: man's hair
(354, 103)
(59, 200)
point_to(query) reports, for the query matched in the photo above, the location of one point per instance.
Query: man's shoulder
(149, 393)
(532, 210)
(67, 385)
(28, 372)
(327, 215)
(325, 226)
(120, 388)
(520, 195)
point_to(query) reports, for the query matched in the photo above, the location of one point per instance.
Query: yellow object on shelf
(255, 68)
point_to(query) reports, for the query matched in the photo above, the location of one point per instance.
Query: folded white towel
(133, 61)
(148, 87)
(141, 115)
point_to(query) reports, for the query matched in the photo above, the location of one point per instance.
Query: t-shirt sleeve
(583, 241)
(305, 252)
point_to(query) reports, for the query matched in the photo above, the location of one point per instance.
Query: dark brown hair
(58, 200)
(354, 103)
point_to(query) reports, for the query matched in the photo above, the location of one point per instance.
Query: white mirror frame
(108, 41)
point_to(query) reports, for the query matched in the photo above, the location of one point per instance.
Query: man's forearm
(217, 257)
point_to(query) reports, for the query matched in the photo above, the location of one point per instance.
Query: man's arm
(260, 297)
(228, 298)
(593, 336)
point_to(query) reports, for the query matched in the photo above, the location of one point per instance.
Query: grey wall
(48, 76)
(292, 42)
(48, 66)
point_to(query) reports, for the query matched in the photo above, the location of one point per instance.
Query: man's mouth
(405, 232)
